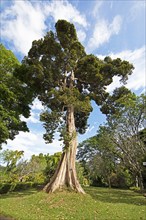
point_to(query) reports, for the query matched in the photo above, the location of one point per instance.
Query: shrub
(9, 187)
(23, 186)
(5, 188)
(135, 189)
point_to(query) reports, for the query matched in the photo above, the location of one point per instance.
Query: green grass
(98, 203)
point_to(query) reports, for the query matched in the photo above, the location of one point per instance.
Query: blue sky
(114, 28)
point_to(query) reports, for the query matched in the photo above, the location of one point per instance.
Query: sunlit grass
(98, 203)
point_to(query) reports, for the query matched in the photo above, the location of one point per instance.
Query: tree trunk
(136, 182)
(140, 181)
(109, 182)
(65, 175)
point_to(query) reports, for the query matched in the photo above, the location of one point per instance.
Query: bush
(23, 186)
(9, 187)
(135, 189)
(121, 179)
(5, 188)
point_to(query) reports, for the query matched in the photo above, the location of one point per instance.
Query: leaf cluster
(14, 97)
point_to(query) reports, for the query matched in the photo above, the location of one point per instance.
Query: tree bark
(65, 175)
(136, 182)
(140, 181)
(109, 182)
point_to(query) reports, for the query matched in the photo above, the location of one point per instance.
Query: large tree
(14, 97)
(66, 79)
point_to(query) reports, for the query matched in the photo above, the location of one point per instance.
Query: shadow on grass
(5, 218)
(116, 196)
(18, 194)
(100, 194)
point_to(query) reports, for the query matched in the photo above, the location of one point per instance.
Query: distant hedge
(9, 187)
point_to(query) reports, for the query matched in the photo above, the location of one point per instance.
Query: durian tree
(65, 79)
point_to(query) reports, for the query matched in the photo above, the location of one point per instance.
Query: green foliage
(98, 159)
(22, 186)
(14, 97)
(121, 178)
(125, 126)
(62, 75)
(32, 170)
(5, 188)
(52, 162)
(113, 103)
(98, 203)
(51, 122)
(11, 159)
(15, 187)
(8, 61)
(114, 156)
(39, 169)
(83, 179)
(135, 189)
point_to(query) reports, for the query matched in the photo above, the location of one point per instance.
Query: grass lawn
(98, 203)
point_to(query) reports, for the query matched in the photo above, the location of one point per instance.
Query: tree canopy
(122, 139)
(48, 69)
(14, 98)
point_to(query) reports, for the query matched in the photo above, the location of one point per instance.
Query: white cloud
(37, 105)
(111, 4)
(34, 118)
(25, 21)
(136, 9)
(103, 32)
(89, 129)
(65, 10)
(21, 24)
(137, 58)
(32, 143)
(81, 35)
(96, 8)
(115, 26)
(36, 109)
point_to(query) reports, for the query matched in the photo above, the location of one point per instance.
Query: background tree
(97, 156)
(13, 101)
(66, 79)
(11, 159)
(126, 125)
(33, 170)
(102, 161)
(52, 162)
(39, 169)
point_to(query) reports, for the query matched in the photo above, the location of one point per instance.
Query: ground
(98, 203)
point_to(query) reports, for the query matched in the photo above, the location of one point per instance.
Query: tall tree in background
(66, 79)
(99, 157)
(11, 159)
(126, 124)
(14, 97)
